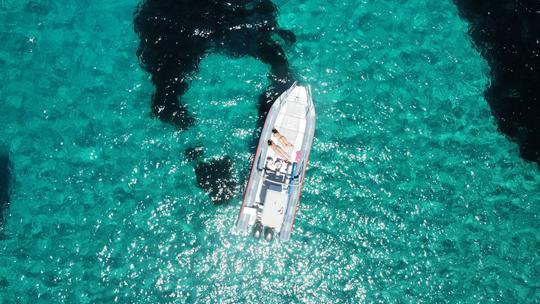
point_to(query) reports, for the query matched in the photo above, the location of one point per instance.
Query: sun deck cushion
(290, 135)
(292, 127)
(295, 109)
(291, 123)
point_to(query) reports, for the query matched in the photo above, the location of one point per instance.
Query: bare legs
(279, 151)
(282, 139)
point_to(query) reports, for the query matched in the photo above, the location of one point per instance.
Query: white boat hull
(277, 175)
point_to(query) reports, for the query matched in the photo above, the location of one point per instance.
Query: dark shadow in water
(216, 177)
(5, 179)
(507, 33)
(175, 35)
(194, 153)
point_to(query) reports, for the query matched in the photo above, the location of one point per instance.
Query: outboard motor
(268, 234)
(257, 230)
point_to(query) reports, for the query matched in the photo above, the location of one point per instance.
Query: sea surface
(412, 194)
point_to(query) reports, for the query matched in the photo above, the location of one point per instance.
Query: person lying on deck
(282, 138)
(279, 151)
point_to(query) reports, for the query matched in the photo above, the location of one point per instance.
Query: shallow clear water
(412, 195)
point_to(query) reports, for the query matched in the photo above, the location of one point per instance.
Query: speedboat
(277, 175)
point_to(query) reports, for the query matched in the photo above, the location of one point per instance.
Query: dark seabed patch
(176, 35)
(216, 177)
(507, 32)
(194, 153)
(4, 283)
(5, 178)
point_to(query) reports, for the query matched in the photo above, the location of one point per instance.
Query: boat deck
(273, 192)
(291, 120)
(276, 178)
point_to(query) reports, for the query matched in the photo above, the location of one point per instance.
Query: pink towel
(298, 156)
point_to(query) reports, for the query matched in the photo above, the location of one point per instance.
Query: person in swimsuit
(282, 139)
(279, 151)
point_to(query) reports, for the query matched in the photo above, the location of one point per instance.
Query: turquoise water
(412, 195)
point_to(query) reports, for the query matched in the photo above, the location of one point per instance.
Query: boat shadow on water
(175, 35)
